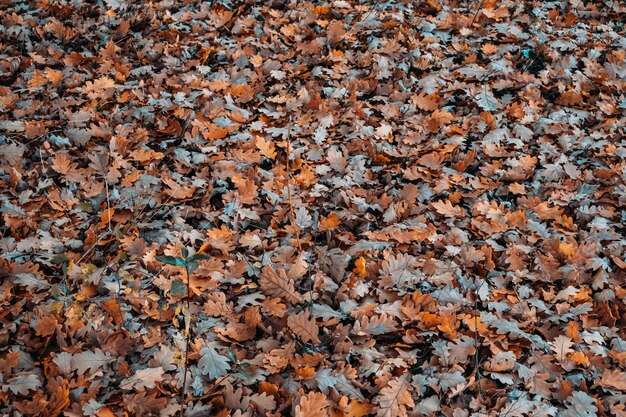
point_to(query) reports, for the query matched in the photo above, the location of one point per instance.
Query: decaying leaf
(400, 208)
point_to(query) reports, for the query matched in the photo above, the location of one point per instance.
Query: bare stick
(187, 343)
(291, 212)
(476, 362)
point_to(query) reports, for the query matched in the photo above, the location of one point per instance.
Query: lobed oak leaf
(222, 239)
(501, 362)
(304, 372)
(278, 285)
(22, 384)
(613, 379)
(580, 404)
(436, 119)
(354, 408)
(266, 148)
(359, 267)
(177, 191)
(395, 398)
(141, 404)
(446, 208)
(55, 77)
(47, 326)
(143, 378)
(330, 222)
(561, 346)
(426, 102)
(580, 358)
(263, 403)
(313, 404)
(487, 101)
(375, 325)
(299, 267)
(90, 361)
(102, 87)
(212, 363)
(304, 326)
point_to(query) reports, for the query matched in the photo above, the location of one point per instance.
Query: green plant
(191, 264)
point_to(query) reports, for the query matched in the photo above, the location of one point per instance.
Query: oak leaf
(395, 398)
(212, 363)
(22, 384)
(562, 346)
(278, 285)
(613, 379)
(90, 360)
(304, 326)
(143, 378)
(313, 404)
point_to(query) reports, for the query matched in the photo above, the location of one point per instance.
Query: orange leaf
(437, 119)
(446, 208)
(448, 324)
(613, 379)
(580, 358)
(204, 247)
(359, 267)
(330, 223)
(305, 372)
(215, 132)
(267, 149)
(428, 319)
(106, 216)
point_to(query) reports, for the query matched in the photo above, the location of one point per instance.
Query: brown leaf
(395, 398)
(304, 326)
(313, 404)
(613, 379)
(278, 285)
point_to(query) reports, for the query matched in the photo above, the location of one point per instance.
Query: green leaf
(171, 260)
(231, 356)
(178, 288)
(192, 266)
(200, 257)
(213, 363)
(185, 253)
(86, 206)
(58, 259)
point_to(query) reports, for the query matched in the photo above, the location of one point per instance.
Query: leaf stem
(291, 212)
(476, 345)
(187, 343)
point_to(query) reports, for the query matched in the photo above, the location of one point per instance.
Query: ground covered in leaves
(406, 208)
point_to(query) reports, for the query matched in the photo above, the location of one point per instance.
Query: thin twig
(480, 6)
(476, 361)
(117, 300)
(291, 212)
(106, 188)
(360, 18)
(188, 342)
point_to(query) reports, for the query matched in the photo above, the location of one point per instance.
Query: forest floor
(282, 208)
